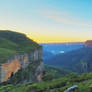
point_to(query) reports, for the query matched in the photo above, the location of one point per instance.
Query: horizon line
(59, 42)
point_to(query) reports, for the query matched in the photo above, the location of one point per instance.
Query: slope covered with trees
(13, 43)
(78, 60)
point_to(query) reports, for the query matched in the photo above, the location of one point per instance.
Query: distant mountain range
(52, 49)
(79, 60)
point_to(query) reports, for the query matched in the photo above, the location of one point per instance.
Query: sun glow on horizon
(49, 39)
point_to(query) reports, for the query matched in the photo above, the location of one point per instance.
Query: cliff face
(15, 63)
(20, 57)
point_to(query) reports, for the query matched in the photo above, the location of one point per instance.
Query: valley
(28, 67)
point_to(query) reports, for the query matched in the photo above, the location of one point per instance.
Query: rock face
(88, 43)
(22, 61)
(27, 64)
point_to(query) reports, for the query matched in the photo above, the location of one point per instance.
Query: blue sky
(48, 20)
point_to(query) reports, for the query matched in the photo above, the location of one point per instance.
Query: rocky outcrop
(88, 43)
(22, 61)
(73, 88)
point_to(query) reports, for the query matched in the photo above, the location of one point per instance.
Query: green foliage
(53, 72)
(48, 77)
(58, 85)
(12, 43)
(5, 53)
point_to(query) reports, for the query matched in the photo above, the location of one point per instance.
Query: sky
(48, 21)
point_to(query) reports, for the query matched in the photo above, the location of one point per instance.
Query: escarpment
(20, 58)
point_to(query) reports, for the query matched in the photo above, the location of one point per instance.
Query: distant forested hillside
(53, 49)
(79, 60)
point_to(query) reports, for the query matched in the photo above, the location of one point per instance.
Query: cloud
(65, 18)
(70, 21)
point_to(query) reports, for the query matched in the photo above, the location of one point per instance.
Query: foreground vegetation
(52, 83)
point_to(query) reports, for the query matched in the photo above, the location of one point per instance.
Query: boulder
(71, 88)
